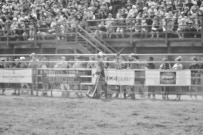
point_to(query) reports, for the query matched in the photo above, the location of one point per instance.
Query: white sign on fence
(120, 77)
(15, 75)
(167, 77)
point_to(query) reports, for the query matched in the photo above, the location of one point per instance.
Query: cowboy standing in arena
(2, 85)
(101, 75)
(100, 81)
(34, 63)
(195, 77)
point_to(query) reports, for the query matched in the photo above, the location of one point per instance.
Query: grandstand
(111, 26)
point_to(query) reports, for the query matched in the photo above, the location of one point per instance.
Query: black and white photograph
(101, 67)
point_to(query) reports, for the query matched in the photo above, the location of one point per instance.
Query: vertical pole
(66, 33)
(51, 93)
(131, 32)
(134, 47)
(166, 32)
(7, 35)
(35, 36)
(36, 85)
(166, 38)
(76, 34)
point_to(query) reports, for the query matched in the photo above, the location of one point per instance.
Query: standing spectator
(178, 66)
(2, 85)
(195, 77)
(34, 64)
(23, 64)
(45, 80)
(16, 86)
(165, 66)
(201, 74)
(91, 64)
(151, 89)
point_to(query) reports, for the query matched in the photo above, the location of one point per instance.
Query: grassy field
(65, 116)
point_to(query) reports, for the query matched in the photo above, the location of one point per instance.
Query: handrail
(88, 41)
(112, 54)
(97, 41)
(105, 43)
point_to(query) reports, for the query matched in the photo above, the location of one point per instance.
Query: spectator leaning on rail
(178, 66)
(194, 77)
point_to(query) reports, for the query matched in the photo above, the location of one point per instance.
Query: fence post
(36, 85)
(33, 81)
(202, 30)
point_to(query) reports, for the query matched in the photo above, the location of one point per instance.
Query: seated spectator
(121, 24)
(110, 25)
(101, 30)
(181, 26)
(133, 12)
(42, 30)
(156, 27)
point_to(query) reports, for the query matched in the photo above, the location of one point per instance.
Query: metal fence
(126, 75)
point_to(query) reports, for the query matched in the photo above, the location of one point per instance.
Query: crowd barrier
(78, 79)
(141, 81)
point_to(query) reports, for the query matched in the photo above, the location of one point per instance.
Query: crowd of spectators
(24, 18)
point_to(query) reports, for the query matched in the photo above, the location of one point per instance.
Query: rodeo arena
(101, 67)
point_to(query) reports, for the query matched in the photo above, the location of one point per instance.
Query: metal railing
(120, 78)
(131, 29)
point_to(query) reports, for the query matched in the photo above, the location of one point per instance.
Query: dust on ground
(66, 116)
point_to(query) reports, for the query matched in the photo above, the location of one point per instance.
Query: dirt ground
(25, 115)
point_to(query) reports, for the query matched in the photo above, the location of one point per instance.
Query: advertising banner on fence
(15, 75)
(171, 78)
(120, 77)
(58, 78)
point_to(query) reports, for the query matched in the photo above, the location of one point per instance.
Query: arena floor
(25, 115)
